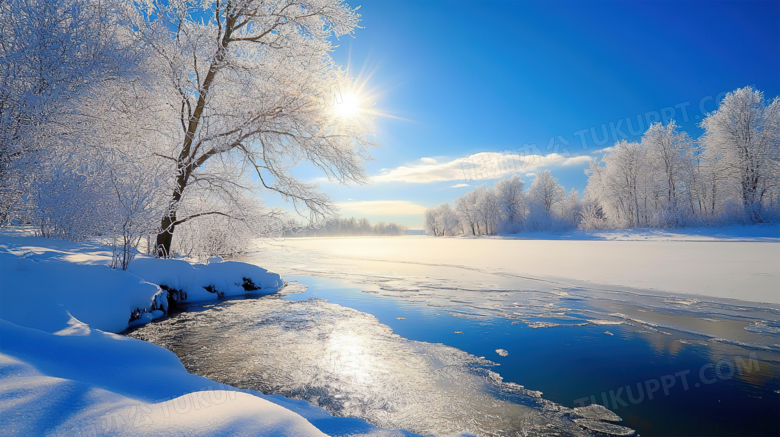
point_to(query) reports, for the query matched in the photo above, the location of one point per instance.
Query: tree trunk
(165, 237)
(168, 223)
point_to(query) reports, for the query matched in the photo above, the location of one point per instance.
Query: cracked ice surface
(350, 364)
(488, 278)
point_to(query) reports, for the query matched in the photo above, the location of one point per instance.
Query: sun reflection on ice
(347, 362)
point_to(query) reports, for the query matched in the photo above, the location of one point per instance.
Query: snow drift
(45, 282)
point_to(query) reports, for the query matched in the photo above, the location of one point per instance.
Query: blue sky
(478, 77)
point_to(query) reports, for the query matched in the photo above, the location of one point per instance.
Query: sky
(480, 84)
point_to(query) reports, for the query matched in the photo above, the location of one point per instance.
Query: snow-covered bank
(91, 382)
(47, 281)
(62, 371)
(768, 232)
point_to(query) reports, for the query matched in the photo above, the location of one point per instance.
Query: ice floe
(605, 428)
(596, 412)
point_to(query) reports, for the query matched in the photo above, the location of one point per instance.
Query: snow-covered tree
(466, 207)
(545, 192)
(342, 226)
(448, 219)
(248, 82)
(669, 153)
(511, 201)
(431, 224)
(742, 140)
(592, 213)
(441, 221)
(53, 56)
(626, 185)
(570, 209)
(241, 218)
(488, 209)
(506, 208)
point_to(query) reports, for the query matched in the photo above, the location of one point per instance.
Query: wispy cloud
(429, 170)
(380, 207)
(604, 150)
(460, 185)
(576, 160)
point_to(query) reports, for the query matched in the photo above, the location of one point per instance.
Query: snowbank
(45, 282)
(90, 382)
(224, 278)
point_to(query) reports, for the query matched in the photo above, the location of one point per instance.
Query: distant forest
(730, 174)
(344, 227)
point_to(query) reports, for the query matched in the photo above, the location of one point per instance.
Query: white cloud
(576, 160)
(459, 185)
(530, 175)
(480, 166)
(380, 207)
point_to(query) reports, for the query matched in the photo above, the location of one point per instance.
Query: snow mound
(45, 283)
(226, 278)
(105, 384)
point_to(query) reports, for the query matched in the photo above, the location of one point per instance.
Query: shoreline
(50, 359)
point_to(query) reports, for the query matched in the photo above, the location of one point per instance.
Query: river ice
(350, 364)
(546, 284)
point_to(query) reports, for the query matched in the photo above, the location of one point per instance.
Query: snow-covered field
(63, 371)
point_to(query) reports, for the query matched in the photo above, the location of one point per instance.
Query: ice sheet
(350, 364)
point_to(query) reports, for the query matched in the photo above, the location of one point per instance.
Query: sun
(349, 107)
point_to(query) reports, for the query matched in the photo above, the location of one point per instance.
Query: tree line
(731, 174)
(170, 117)
(343, 227)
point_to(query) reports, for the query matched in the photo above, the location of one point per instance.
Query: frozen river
(505, 337)
(747, 271)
